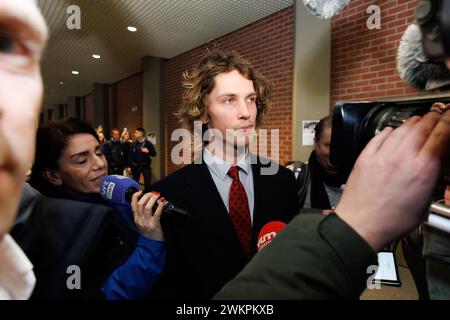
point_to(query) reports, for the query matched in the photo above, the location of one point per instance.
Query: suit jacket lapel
(264, 210)
(261, 197)
(211, 214)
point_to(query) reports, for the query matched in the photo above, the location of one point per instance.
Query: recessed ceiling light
(96, 56)
(132, 29)
(61, 83)
(75, 72)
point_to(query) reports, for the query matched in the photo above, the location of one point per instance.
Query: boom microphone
(414, 67)
(118, 190)
(325, 9)
(268, 232)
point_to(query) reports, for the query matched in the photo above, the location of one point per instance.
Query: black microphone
(119, 190)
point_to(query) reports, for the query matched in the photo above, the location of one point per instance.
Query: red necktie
(240, 212)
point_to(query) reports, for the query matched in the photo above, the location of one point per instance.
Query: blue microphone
(118, 190)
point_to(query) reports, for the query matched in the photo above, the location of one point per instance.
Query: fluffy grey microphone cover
(414, 68)
(325, 9)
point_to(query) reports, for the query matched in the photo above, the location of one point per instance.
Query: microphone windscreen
(114, 188)
(325, 9)
(412, 64)
(268, 232)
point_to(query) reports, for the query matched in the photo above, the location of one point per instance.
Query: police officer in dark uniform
(116, 153)
(141, 155)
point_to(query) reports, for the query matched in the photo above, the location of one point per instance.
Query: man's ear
(52, 176)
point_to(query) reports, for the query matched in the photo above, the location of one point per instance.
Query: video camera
(355, 123)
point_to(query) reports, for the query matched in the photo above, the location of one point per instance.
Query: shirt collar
(16, 271)
(220, 167)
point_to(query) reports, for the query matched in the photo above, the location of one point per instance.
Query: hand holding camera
(383, 166)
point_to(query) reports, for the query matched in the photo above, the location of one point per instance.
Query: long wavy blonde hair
(199, 82)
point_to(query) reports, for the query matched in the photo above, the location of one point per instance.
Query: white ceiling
(166, 28)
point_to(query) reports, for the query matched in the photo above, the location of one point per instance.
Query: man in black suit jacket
(230, 98)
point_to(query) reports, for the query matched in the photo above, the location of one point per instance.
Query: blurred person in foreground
(23, 35)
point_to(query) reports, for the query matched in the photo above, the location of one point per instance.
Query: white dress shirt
(219, 172)
(17, 279)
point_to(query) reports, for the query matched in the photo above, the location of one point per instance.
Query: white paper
(308, 132)
(386, 267)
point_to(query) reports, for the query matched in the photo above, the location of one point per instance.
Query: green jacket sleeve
(314, 257)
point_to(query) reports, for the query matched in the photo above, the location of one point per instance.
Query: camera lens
(355, 124)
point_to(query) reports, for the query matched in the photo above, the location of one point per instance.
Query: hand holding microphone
(147, 221)
(146, 208)
(119, 190)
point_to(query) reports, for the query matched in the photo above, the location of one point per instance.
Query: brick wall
(363, 60)
(268, 44)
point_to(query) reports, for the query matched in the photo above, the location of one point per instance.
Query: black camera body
(355, 123)
(433, 17)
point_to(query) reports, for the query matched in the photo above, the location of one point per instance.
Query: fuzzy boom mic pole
(325, 9)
